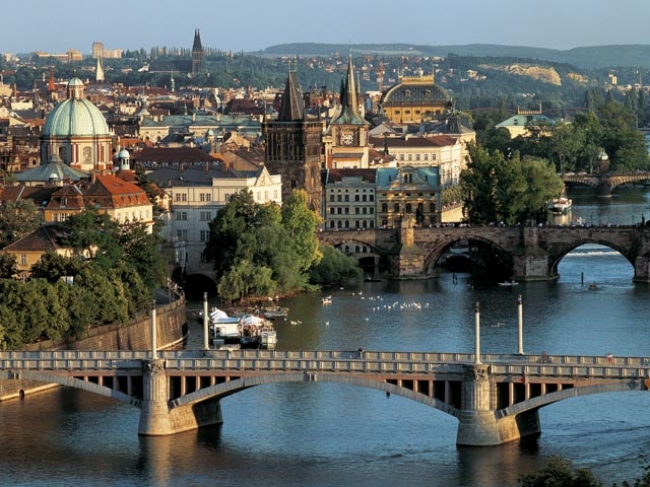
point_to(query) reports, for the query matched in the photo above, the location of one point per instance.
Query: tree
(334, 267)
(559, 473)
(511, 191)
(17, 219)
(8, 265)
(247, 240)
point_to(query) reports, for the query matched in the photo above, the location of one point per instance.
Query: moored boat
(560, 205)
(272, 312)
(511, 282)
(248, 331)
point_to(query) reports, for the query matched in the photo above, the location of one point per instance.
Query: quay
(495, 397)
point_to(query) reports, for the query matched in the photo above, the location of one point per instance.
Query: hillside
(596, 57)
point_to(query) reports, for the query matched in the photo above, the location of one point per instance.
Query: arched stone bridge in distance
(495, 398)
(533, 252)
(603, 184)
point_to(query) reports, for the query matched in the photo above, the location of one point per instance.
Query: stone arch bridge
(603, 184)
(530, 253)
(495, 398)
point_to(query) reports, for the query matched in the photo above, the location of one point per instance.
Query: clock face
(346, 139)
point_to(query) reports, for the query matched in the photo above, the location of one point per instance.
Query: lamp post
(478, 334)
(520, 315)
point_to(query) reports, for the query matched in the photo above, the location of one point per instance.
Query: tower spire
(291, 107)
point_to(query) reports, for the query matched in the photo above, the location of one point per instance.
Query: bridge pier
(479, 425)
(158, 418)
(642, 269)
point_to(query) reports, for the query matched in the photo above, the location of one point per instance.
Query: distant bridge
(603, 184)
(530, 253)
(495, 398)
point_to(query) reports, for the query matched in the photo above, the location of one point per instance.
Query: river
(335, 435)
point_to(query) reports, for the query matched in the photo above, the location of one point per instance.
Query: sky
(252, 25)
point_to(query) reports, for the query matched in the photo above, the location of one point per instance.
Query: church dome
(123, 154)
(75, 116)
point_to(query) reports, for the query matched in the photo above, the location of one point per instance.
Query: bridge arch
(435, 253)
(80, 384)
(562, 251)
(636, 384)
(231, 387)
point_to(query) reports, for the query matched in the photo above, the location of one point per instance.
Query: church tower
(293, 145)
(197, 54)
(349, 131)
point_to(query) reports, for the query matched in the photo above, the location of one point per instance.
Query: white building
(197, 194)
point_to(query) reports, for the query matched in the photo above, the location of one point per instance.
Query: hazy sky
(250, 25)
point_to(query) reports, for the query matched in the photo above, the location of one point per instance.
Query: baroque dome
(75, 116)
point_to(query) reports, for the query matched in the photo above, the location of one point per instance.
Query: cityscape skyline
(254, 26)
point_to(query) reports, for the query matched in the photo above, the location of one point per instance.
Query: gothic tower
(197, 54)
(293, 145)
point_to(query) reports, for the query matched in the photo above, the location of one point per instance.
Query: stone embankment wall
(134, 335)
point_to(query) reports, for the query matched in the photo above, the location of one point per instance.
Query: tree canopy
(508, 190)
(261, 249)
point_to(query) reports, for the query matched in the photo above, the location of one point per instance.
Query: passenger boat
(248, 331)
(560, 206)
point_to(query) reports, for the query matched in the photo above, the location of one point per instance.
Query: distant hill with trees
(594, 57)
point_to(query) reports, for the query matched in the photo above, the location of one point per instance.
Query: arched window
(87, 155)
(396, 208)
(384, 207)
(408, 208)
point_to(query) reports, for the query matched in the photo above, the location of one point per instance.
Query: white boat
(511, 282)
(248, 331)
(560, 205)
(327, 300)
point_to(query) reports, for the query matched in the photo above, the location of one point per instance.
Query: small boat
(593, 286)
(560, 206)
(327, 300)
(511, 282)
(272, 312)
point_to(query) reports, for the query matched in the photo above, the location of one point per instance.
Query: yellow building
(415, 99)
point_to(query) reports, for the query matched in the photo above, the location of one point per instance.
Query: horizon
(556, 25)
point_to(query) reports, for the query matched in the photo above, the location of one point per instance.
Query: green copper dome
(75, 116)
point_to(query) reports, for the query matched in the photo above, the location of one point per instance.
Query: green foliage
(18, 219)
(260, 250)
(509, 190)
(8, 265)
(559, 473)
(334, 267)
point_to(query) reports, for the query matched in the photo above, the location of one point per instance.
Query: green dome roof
(75, 115)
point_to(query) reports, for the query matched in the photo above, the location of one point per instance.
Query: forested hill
(597, 57)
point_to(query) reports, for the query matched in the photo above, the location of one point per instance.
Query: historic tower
(293, 145)
(349, 130)
(197, 54)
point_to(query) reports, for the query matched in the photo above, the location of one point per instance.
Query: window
(372, 211)
(364, 198)
(347, 197)
(339, 211)
(23, 259)
(372, 197)
(181, 215)
(384, 207)
(356, 210)
(87, 155)
(408, 208)
(338, 198)
(180, 197)
(356, 197)
(205, 235)
(332, 211)
(332, 224)
(205, 216)
(331, 198)
(182, 235)
(396, 208)
(205, 197)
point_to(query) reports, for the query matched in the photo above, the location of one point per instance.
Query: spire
(292, 108)
(99, 72)
(349, 100)
(196, 46)
(50, 84)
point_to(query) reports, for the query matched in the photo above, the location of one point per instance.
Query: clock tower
(348, 131)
